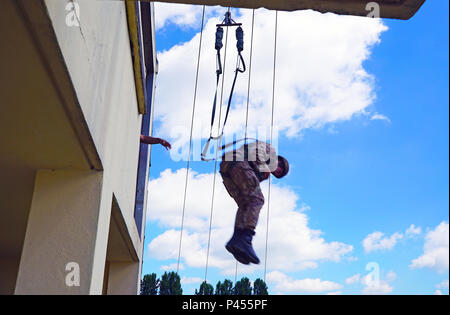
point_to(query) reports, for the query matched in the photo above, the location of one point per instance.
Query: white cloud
(380, 117)
(191, 280)
(380, 286)
(372, 282)
(391, 276)
(179, 14)
(443, 284)
(292, 245)
(283, 283)
(436, 252)
(171, 267)
(320, 74)
(185, 16)
(353, 279)
(377, 241)
(413, 231)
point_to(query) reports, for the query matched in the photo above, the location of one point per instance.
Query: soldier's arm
(152, 140)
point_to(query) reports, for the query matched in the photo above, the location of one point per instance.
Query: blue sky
(382, 167)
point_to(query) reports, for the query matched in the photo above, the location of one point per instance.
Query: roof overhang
(42, 122)
(392, 9)
(134, 29)
(143, 48)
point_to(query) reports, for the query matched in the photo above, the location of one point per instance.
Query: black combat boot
(235, 251)
(240, 245)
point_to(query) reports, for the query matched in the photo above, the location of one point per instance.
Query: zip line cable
(219, 142)
(249, 74)
(190, 140)
(240, 68)
(248, 98)
(271, 136)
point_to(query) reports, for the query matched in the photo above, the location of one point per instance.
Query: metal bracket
(228, 21)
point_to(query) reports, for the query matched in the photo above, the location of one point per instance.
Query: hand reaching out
(151, 140)
(165, 144)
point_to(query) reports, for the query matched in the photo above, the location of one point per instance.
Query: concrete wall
(119, 280)
(98, 58)
(8, 274)
(61, 229)
(97, 54)
(70, 145)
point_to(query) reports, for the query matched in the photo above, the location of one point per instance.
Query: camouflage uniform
(242, 170)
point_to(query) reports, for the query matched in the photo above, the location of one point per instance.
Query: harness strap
(234, 142)
(225, 146)
(231, 164)
(218, 46)
(240, 39)
(219, 37)
(240, 61)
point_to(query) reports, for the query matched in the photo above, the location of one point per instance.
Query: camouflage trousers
(243, 186)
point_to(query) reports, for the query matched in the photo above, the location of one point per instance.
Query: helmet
(284, 164)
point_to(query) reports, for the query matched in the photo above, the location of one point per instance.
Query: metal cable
(248, 98)
(219, 141)
(190, 140)
(271, 137)
(249, 74)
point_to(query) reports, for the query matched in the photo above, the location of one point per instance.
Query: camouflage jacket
(261, 156)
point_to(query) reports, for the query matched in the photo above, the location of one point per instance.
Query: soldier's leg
(234, 192)
(250, 200)
(248, 212)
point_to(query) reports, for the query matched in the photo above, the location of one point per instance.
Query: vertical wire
(271, 138)
(235, 274)
(219, 142)
(248, 98)
(190, 141)
(249, 74)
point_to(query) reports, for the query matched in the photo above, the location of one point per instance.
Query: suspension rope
(219, 141)
(271, 137)
(248, 98)
(190, 140)
(228, 21)
(249, 74)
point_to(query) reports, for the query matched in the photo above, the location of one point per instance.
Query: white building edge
(77, 81)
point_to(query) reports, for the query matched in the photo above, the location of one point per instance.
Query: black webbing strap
(218, 46)
(240, 61)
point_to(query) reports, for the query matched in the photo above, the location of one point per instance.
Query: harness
(231, 164)
(228, 21)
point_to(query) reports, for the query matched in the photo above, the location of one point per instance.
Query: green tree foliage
(243, 287)
(260, 287)
(150, 285)
(205, 289)
(170, 284)
(225, 288)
